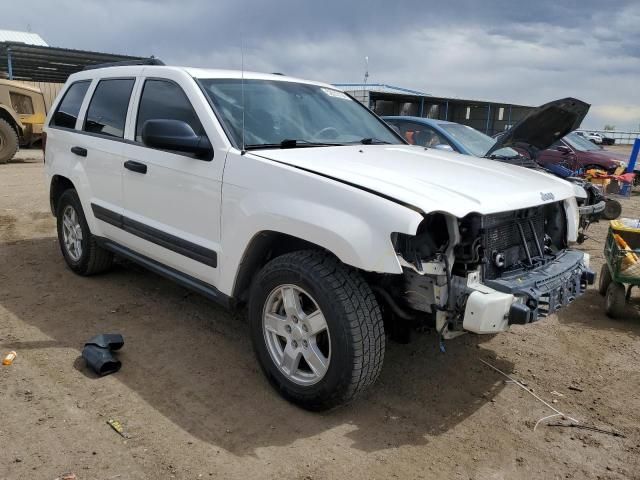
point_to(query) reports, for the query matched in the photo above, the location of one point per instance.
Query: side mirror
(564, 149)
(444, 146)
(167, 134)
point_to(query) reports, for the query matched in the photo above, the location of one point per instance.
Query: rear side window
(107, 111)
(67, 112)
(165, 100)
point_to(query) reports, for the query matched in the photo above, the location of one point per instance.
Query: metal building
(486, 116)
(25, 57)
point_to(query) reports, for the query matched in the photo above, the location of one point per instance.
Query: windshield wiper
(374, 141)
(291, 143)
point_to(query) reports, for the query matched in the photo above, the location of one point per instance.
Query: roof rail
(126, 63)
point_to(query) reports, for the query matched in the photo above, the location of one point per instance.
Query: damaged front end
(482, 273)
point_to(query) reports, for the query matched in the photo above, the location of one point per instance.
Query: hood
(543, 126)
(603, 155)
(429, 180)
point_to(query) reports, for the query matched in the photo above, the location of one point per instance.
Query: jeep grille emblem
(546, 196)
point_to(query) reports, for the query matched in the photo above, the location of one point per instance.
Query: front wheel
(316, 329)
(8, 141)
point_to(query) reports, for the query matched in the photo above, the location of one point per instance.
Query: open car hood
(543, 126)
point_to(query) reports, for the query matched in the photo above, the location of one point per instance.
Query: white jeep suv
(293, 198)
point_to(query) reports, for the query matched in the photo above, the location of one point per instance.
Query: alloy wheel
(296, 334)
(72, 233)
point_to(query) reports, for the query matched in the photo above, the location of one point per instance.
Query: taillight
(43, 142)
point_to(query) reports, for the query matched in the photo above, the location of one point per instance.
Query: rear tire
(79, 247)
(616, 300)
(605, 279)
(8, 141)
(354, 343)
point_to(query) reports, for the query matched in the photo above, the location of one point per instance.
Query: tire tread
(8, 129)
(363, 318)
(98, 259)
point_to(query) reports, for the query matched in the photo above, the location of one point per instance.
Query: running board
(180, 278)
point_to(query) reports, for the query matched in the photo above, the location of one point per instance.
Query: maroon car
(577, 152)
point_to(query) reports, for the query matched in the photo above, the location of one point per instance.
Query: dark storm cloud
(525, 52)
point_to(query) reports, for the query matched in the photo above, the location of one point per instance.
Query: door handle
(82, 152)
(135, 166)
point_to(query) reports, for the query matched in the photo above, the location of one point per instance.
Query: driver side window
(162, 99)
(423, 135)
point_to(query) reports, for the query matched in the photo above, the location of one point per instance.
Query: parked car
(597, 138)
(592, 137)
(444, 135)
(576, 153)
(295, 199)
(22, 113)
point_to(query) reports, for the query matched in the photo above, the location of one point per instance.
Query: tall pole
(366, 77)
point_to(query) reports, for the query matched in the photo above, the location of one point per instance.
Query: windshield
(476, 142)
(580, 143)
(287, 114)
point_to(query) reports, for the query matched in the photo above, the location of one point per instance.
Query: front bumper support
(550, 287)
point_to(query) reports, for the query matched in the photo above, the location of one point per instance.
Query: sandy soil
(195, 405)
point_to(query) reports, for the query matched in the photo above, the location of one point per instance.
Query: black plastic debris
(98, 353)
(112, 341)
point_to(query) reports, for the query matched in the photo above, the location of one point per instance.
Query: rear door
(172, 200)
(101, 146)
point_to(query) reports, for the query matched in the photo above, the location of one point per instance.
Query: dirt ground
(194, 404)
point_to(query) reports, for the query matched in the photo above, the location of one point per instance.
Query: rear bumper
(527, 296)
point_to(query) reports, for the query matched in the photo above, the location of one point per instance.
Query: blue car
(454, 137)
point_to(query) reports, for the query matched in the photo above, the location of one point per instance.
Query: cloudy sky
(525, 52)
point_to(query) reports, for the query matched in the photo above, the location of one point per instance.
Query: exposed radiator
(502, 234)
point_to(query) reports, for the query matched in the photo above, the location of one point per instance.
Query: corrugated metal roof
(49, 64)
(22, 37)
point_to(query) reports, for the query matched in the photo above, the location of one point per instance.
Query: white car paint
(431, 180)
(592, 136)
(348, 200)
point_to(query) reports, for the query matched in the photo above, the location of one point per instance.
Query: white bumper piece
(487, 312)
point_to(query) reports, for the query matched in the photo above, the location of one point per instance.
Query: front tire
(79, 247)
(8, 141)
(316, 328)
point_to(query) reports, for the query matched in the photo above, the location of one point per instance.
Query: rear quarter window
(107, 112)
(67, 112)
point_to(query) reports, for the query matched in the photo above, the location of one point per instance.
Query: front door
(171, 199)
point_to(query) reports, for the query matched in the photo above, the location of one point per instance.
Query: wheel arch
(263, 247)
(59, 184)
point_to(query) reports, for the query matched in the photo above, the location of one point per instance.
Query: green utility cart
(621, 272)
